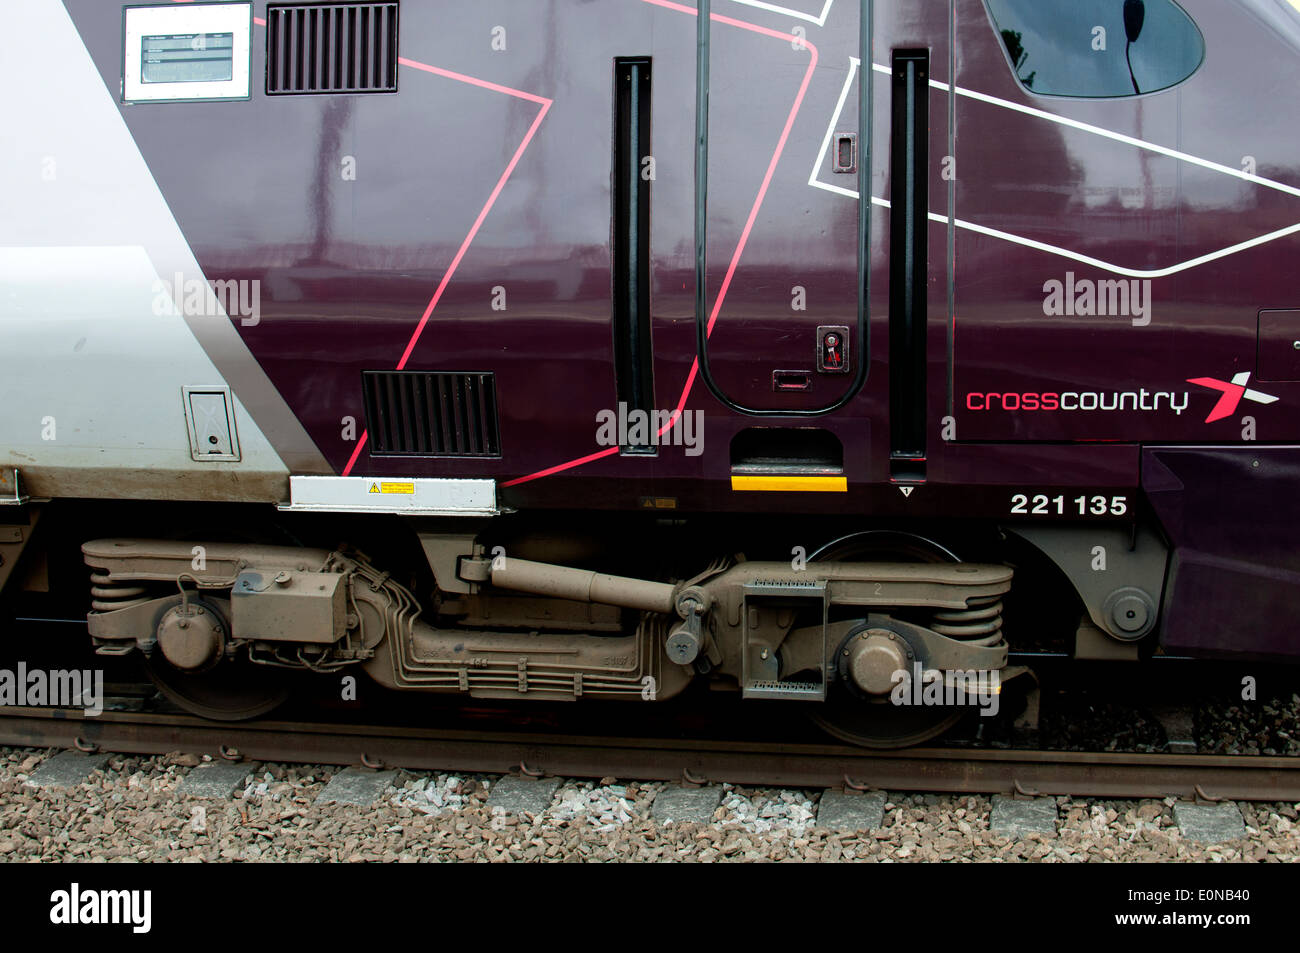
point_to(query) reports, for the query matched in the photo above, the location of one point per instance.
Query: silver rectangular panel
(413, 496)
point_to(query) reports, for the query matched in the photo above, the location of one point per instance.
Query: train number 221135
(1044, 505)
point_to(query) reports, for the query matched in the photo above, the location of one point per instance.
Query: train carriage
(821, 351)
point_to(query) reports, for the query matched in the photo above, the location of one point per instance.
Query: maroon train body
(537, 293)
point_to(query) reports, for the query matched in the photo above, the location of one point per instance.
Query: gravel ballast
(133, 809)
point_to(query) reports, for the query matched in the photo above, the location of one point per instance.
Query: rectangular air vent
(331, 48)
(431, 413)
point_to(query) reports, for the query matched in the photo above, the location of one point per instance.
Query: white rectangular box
(186, 51)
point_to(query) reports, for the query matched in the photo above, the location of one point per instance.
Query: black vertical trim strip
(394, 51)
(866, 32)
(349, 40)
(327, 44)
(490, 414)
(908, 260)
(286, 35)
(320, 69)
(384, 410)
(339, 46)
(430, 412)
(313, 44)
(633, 349)
(363, 47)
(419, 422)
(272, 43)
(404, 386)
(287, 21)
(381, 48)
(299, 53)
(459, 403)
(467, 411)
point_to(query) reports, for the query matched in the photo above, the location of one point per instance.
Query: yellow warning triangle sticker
(374, 488)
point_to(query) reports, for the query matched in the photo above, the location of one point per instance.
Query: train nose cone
(874, 658)
(192, 638)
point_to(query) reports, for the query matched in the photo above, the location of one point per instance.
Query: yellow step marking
(791, 484)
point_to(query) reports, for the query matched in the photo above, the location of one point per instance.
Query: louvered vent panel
(331, 48)
(431, 413)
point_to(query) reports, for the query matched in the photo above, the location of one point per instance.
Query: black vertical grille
(633, 354)
(431, 413)
(331, 48)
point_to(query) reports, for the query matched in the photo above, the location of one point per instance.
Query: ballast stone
(355, 786)
(838, 811)
(66, 769)
(522, 795)
(1016, 818)
(1210, 823)
(216, 780)
(678, 805)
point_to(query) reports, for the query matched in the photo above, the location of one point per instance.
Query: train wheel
(879, 724)
(232, 691)
(191, 666)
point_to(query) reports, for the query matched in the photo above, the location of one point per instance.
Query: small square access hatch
(210, 417)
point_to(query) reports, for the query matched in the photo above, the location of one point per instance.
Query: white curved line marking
(854, 64)
(772, 7)
(1119, 269)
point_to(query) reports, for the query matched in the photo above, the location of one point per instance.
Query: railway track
(689, 760)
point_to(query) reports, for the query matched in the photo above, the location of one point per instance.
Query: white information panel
(186, 51)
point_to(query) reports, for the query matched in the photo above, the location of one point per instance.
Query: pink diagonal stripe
(474, 81)
(744, 235)
(478, 222)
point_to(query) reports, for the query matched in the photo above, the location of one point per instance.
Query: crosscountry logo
(1231, 394)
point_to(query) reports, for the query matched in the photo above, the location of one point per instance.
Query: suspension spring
(108, 596)
(981, 619)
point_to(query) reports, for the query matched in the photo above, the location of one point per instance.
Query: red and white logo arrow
(1231, 394)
